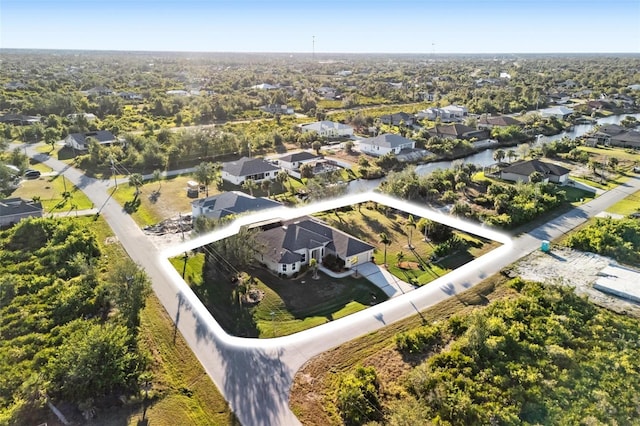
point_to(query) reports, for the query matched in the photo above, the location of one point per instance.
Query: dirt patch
(573, 268)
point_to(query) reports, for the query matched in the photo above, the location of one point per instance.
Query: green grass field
(631, 204)
(50, 190)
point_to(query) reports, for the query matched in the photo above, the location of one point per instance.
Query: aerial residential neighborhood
(405, 230)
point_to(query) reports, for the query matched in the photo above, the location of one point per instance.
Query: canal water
(485, 158)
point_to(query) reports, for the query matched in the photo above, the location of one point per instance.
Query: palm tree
(282, 177)
(249, 185)
(400, 257)
(384, 239)
(511, 154)
(313, 264)
(137, 181)
(205, 173)
(317, 146)
(410, 225)
(157, 176)
(266, 186)
(499, 155)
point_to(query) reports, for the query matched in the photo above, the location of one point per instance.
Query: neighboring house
(87, 116)
(559, 98)
(384, 144)
(20, 119)
(630, 139)
(78, 141)
(295, 160)
(327, 92)
(447, 114)
(245, 168)
(177, 93)
(264, 86)
(328, 129)
(458, 131)
(288, 245)
(13, 210)
(397, 119)
(98, 91)
(130, 96)
(604, 134)
(277, 109)
(522, 171)
(489, 122)
(559, 112)
(229, 203)
(15, 85)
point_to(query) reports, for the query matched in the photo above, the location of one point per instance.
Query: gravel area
(577, 269)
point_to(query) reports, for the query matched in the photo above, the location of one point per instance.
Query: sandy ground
(573, 268)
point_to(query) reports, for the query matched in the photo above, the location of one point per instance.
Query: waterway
(485, 158)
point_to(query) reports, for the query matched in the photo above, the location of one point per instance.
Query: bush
(358, 396)
(418, 340)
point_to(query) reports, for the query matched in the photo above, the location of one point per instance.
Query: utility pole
(313, 48)
(184, 267)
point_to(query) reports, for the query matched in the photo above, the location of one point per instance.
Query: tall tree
(410, 224)
(205, 174)
(250, 185)
(386, 241)
(136, 180)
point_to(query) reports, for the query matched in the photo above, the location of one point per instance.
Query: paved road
(255, 376)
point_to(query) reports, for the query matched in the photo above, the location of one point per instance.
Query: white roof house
(560, 112)
(385, 143)
(329, 129)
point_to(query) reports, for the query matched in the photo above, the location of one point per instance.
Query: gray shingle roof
(248, 166)
(232, 203)
(102, 136)
(298, 156)
(13, 206)
(526, 168)
(388, 140)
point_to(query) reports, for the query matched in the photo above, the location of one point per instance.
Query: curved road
(255, 376)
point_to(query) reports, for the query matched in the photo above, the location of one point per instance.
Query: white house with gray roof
(385, 143)
(80, 141)
(245, 168)
(289, 245)
(13, 210)
(328, 129)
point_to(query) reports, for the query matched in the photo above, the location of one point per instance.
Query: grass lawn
(601, 153)
(288, 305)
(416, 267)
(597, 183)
(171, 201)
(577, 196)
(631, 204)
(50, 190)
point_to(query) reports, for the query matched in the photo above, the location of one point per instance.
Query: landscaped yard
(415, 265)
(287, 306)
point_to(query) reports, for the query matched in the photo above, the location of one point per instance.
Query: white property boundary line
(285, 213)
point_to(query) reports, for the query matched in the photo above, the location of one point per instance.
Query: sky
(332, 26)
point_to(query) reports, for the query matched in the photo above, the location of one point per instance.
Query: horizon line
(316, 53)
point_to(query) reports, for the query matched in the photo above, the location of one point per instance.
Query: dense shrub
(358, 396)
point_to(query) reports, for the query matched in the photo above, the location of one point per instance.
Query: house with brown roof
(287, 246)
(489, 122)
(458, 131)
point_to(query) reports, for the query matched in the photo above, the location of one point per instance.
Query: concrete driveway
(382, 278)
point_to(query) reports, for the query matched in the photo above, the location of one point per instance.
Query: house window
(284, 268)
(304, 257)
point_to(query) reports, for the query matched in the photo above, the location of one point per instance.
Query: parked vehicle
(32, 174)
